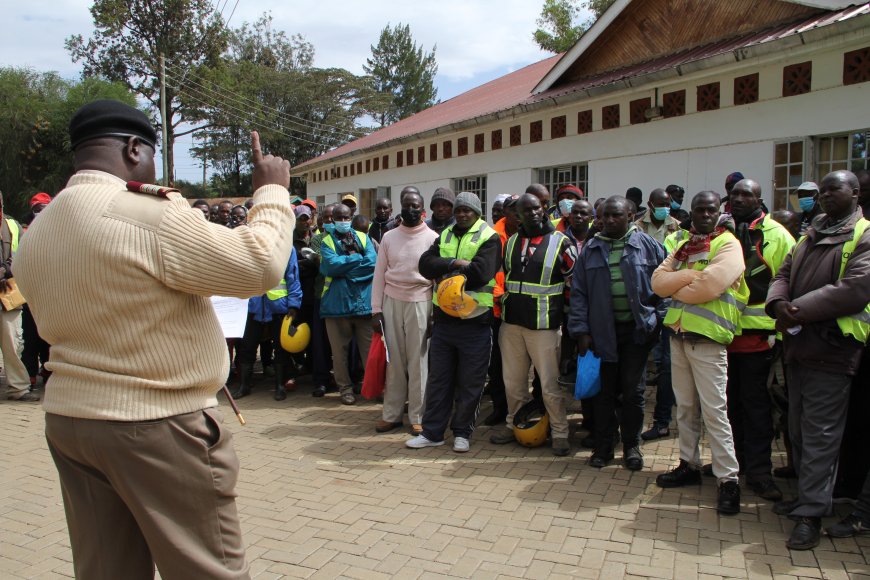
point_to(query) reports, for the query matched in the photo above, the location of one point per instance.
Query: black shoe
(246, 378)
(805, 535)
(632, 458)
(851, 525)
(495, 418)
(729, 498)
(27, 397)
(785, 472)
(765, 489)
(679, 476)
(280, 394)
(707, 470)
(318, 391)
(655, 432)
(785, 507)
(600, 459)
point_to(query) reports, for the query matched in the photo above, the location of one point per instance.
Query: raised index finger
(257, 153)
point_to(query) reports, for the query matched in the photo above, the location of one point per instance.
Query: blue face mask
(565, 207)
(329, 228)
(660, 213)
(342, 227)
(675, 205)
(806, 204)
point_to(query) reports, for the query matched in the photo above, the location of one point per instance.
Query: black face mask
(411, 217)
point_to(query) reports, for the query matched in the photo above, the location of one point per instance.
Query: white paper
(232, 313)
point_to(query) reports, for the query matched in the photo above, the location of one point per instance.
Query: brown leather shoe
(387, 426)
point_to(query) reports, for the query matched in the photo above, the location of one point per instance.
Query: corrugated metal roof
(514, 89)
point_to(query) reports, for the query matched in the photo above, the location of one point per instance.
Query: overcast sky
(477, 40)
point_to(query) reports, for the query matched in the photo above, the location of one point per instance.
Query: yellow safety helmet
(531, 424)
(452, 298)
(294, 338)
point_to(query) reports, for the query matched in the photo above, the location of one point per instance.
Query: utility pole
(204, 165)
(164, 121)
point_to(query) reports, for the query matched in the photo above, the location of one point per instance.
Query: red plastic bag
(375, 378)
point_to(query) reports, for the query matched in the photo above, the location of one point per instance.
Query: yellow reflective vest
(465, 248)
(717, 319)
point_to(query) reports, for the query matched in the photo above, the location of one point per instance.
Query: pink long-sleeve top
(396, 272)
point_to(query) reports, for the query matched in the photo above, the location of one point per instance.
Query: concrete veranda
(321, 495)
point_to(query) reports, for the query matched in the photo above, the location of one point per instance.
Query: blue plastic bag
(588, 382)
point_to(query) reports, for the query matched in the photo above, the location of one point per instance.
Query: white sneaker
(461, 445)
(419, 442)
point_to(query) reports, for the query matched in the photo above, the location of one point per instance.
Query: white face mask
(565, 207)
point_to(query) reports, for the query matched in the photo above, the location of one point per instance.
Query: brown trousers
(140, 493)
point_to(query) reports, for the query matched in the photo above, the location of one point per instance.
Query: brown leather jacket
(809, 279)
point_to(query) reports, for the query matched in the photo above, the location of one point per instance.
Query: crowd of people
(749, 322)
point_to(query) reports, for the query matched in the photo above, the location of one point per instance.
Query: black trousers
(854, 457)
(750, 412)
(458, 357)
(36, 350)
(254, 334)
(622, 378)
(496, 376)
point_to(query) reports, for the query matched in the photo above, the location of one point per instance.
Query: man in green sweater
(118, 275)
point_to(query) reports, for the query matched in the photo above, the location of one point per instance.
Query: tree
(558, 29)
(265, 80)
(35, 111)
(130, 36)
(401, 70)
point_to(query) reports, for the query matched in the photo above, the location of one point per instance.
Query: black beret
(108, 118)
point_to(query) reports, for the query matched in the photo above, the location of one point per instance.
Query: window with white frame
(476, 185)
(788, 173)
(555, 177)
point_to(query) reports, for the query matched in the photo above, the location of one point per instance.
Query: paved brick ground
(323, 496)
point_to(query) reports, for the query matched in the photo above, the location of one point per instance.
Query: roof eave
(586, 40)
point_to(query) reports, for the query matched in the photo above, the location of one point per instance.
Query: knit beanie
(469, 200)
(445, 194)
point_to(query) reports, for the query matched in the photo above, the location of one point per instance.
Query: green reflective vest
(15, 230)
(329, 241)
(534, 290)
(770, 254)
(855, 325)
(465, 248)
(718, 318)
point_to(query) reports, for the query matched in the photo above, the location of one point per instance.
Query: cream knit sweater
(118, 283)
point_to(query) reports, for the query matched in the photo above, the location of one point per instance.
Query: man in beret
(147, 471)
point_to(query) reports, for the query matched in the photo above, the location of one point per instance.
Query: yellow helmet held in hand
(294, 338)
(531, 424)
(452, 298)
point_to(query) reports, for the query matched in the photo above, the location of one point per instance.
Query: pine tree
(400, 68)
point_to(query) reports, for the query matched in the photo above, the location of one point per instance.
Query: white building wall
(696, 150)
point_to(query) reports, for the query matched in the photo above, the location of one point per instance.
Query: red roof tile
(496, 95)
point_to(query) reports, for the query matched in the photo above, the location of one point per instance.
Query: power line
(204, 96)
(243, 100)
(248, 116)
(247, 119)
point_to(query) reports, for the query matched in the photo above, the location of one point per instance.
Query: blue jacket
(265, 310)
(591, 301)
(350, 291)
